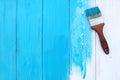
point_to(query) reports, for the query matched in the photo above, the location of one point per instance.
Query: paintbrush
(96, 21)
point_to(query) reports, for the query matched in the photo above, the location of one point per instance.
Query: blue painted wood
(81, 38)
(29, 39)
(7, 39)
(56, 40)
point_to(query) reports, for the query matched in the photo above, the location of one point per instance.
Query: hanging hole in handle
(106, 51)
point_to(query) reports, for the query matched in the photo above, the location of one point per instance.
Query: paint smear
(81, 35)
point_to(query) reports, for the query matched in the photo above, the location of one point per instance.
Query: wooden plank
(56, 40)
(7, 39)
(108, 66)
(29, 39)
(83, 42)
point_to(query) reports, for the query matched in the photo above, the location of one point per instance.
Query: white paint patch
(79, 11)
(75, 73)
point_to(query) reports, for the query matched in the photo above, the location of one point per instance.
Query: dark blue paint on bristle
(92, 11)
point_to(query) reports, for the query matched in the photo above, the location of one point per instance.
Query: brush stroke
(81, 36)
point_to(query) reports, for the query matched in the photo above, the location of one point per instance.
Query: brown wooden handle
(104, 43)
(99, 30)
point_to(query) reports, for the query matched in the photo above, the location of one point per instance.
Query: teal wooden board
(29, 39)
(56, 40)
(7, 40)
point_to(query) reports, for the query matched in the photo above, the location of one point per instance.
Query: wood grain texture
(7, 40)
(56, 40)
(108, 67)
(29, 39)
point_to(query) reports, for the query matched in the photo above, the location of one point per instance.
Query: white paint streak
(75, 73)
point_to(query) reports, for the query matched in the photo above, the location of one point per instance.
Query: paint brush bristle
(94, 16)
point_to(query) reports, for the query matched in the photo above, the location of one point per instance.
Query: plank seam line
(16, 40)
(42, 39)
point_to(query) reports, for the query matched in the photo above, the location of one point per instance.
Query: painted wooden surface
(108, 67)
(36, 40)
(52, 40)
(29, 40)
(56, 40)
(7, 39)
